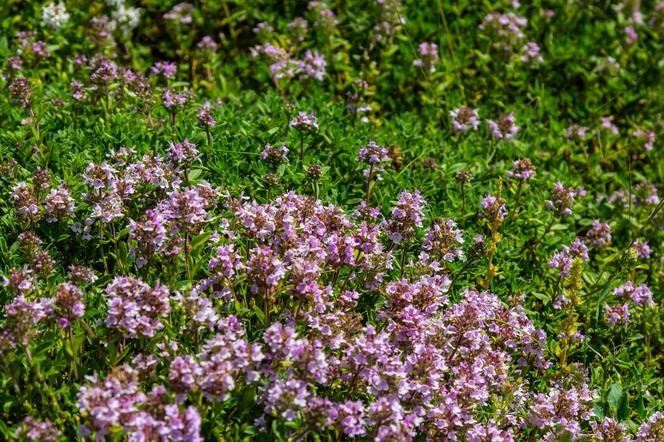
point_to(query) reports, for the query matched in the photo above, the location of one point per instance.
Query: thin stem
(463, 202)
(368, 189)
(73, 351)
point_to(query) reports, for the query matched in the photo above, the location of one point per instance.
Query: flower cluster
(374, 155)
(428, 53)
(522, 170)
(274, 154)
(640, 295)
(117, 403)
(35, 430)
(304, 122)
(465, 119)
(68, 304)
(504, 128)
(599, 234)
(562, 199)
(136, 308)
(562, 261)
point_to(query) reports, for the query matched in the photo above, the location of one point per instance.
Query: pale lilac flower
(68, 304)
(313, 65)
(299, 27)
(630, 35)
(183, 153)
(20, 91)
(616, 314)
(505, 128)
(173, 100)
(407, 214)
(39, 431)
(562, 199)
(562, 261)
(640, 295)
(207, 43)
(577, 132)
(522, 170)
(181, 13)
(264, 27)
(641, 249)
(78, 93)
(531, 53)
(648, 137)
(652, 430)
(599, 234)
(304, 122)
(26, 202)
(608, 125)
(59, 204)
(428, 56)
(205, 117)
(444, 239)
(165, 68)
(22, 317)
(465, 119)
(493, 208)
(135, 307)
(274, 154)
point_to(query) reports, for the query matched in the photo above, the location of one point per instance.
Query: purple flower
(304, 122)
(58, 204)
(599, 234)
(165, 68)
(428, 56)
(608, 125)
(205, 117)
(68, 304)
(561, 410)
(577, 132)
(181, 13)
(313, 65)
(207, 43)
(373, 154)
(264, 269)
(630, 35)
(78, 93)
(135, 307)
(444, 239)
(25, 200)
(20, 91)
(652, 430)
(35, 430)
(648, 137)
(522, 170)
(407, 214)
(264, 27)
(80, 275)
(22, 317)
(504, 128)
(562, 261)
(172, 100)
(562, 199)
(640, 249)
(493, 208)
(183, 153)
(465, 119)
(616, 314)
(531, 53)
(640, 295)
(275, 155)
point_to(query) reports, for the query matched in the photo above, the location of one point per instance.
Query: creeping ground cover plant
(370, 220)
